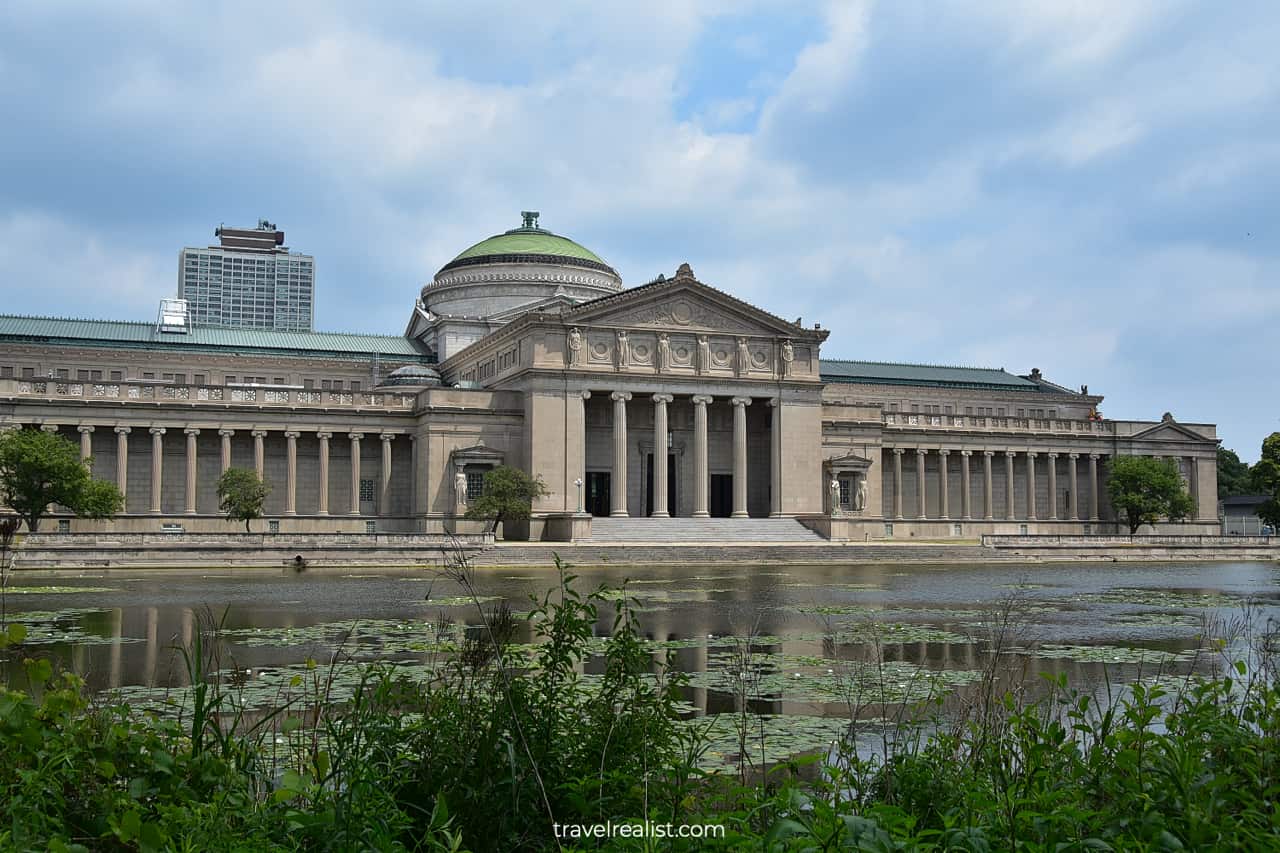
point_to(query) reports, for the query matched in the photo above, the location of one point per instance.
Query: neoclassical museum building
(670, 399)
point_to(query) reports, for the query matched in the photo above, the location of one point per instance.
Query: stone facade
(587, 395)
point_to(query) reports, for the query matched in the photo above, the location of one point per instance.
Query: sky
(1089, 188)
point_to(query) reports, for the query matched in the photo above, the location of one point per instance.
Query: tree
(508, 495)
(39, 469)
(1265, 478)
(1233, 475)
(241, 495)
(1146, 490)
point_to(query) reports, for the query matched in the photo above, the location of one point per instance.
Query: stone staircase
(701, 530)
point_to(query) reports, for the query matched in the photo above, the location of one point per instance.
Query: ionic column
(1053, 486)
(618, 488)
(988, 502)
(86, 441)
(1073, 502)
(53, 428)
(291, 472)
(1193, 485)
(943, 505)
(966, 508)
(1093, 486)
(259, 452)
(920, 486)
(226, 434)
(740, 456)
(775, 458)
(1008, 476)
(897, 482)
(1031, 486)
(122, 458)
(157, 462)
(323, 507)
(701, 474)
(191, 433)
(355, 471)
(384, 494)
(660, 453)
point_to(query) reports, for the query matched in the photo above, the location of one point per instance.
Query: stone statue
(624, 354)
(834, 486)
(575, 346)
(704, 354)
(860, 498)
(664, 352)
(460, 489)
(744, 357)
(788, 356)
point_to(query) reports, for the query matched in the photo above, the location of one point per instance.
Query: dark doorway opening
(671, 485)
(598, 495)
(720, 501)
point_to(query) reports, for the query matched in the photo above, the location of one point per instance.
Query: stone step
(736, 530)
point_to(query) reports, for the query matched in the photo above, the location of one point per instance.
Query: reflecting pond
(813, 642)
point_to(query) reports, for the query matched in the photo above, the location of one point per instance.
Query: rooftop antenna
(530, 218)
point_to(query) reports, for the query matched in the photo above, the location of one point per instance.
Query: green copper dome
(529, 243)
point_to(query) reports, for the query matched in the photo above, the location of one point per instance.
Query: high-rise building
(250, 280)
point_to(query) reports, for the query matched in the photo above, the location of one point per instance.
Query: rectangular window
(28, 372)
(82, 375)
(915, 407)
(1022, 530)
(64, 525)
(957, 530)
(355, 386)
(273, 526)
(117, 375)
(475, 484)
(95, 375)
(279, 381)
(968, 410)
(1000, 413)
(199, 379)
(893, 407)
(1022, 413)
(148, 375)
(228, 380)
(846, 499)
(64, 373)
(366, 491)
(888, 530)
(308, 384)
(371, 527)
(6, 372)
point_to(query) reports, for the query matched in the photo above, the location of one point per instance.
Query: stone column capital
(292, 434)
(741, 401)
(898, 451)
(1073, 455)
(355, 436)
(1010, 453)
(48, 427)
(387, 436)
(84, 428)
(226, 432)
(1052, 455)
(259, 433)
(702, 399)
(662, 398)
(966, 452)
(773, 402)
(921, 451)
(192, 431)
(323, 436)
(944, 452)
(156, 430)
(620, 396)
(1095, 456)
(1031, 454)
(586, 395)
(988, 453)
(123, 430)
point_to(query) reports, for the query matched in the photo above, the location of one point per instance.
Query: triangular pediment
(1169, 431)
(684, 304)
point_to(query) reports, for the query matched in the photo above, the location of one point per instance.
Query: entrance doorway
(720, 500)
(598, 494)
(671, 484)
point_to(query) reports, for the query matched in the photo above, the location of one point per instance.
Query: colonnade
(701, 469)
(1031, 508)
(259, 435)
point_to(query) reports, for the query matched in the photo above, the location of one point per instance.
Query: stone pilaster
(291, 472)
(86, 441)
(966, 497)
(897, 482)
(122, 458)
(775, 457)
(1073, 499)
(920, 483)
(259, 452)
(355, 471)
(988, 501)
(944, 498)
(1010, 512)
(157, 467)
(225, 435)
(323, 503)
(1093, 487)
(384, 494)
(1031, 486)
(191, 433)
(1053, 486)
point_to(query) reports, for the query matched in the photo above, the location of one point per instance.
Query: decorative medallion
(681, 313)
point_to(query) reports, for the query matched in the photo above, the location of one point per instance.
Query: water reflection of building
(525, 349)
